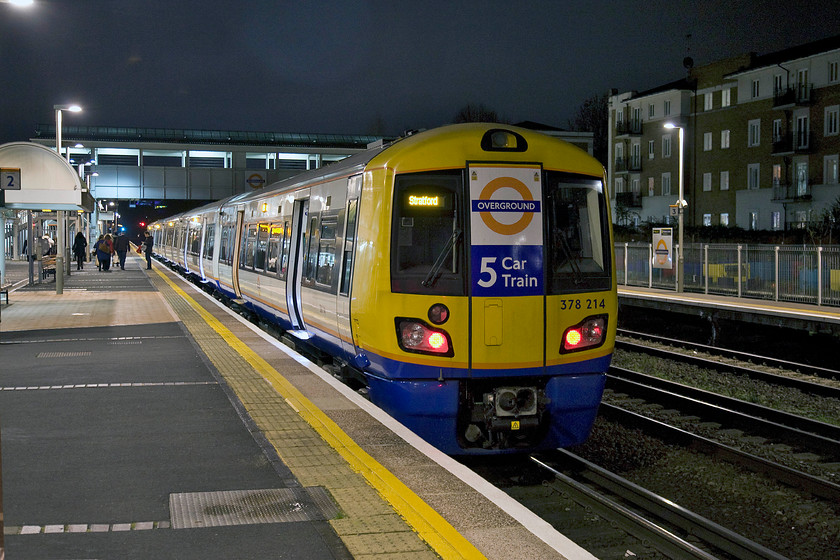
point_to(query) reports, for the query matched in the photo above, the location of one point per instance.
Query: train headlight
(414, 335)
(589, 333)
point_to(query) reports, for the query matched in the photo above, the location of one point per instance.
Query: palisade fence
(798, 273)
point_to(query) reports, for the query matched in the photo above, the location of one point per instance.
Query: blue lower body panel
(434, 410)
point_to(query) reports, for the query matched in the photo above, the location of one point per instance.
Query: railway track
(802, 369)
(652, 519)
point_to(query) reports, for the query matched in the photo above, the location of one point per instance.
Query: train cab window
(427, 254)
(261, 247)
(577, 236)
(249, 243)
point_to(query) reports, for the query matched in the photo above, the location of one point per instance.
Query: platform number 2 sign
(10, 179)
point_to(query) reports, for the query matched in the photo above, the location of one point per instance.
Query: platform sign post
(663, 248)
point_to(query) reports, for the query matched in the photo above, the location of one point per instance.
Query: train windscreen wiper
(434, 273)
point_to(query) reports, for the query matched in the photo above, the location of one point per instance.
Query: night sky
(365, 67)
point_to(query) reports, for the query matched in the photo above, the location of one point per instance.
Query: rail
(801, 273)
(652, 505)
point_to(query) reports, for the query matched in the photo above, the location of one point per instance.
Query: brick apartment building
(761, 142)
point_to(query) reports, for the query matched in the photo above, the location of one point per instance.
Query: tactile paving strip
(245, 507)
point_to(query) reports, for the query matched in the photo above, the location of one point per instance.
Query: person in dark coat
(96, 251)
(79, 249)
(121, 247)
(104, 250)
(148, 244)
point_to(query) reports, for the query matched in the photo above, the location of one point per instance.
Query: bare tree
(475, 113)
(593, 116)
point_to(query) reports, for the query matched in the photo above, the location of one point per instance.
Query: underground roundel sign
(506, 230)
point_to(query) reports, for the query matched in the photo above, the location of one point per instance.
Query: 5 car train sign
(506, 230)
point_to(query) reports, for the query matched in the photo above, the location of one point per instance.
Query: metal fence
(804, 274)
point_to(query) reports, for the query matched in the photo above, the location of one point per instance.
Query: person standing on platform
(104, 251)
(148, 243)
(121, 247)
(79, 250)
(96, 251)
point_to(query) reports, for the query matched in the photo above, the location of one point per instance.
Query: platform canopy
(47, 181)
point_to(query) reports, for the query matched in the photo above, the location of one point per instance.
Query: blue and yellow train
(465, 273)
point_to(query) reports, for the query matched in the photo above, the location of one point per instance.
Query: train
(463, 276)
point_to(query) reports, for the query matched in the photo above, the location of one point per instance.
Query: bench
(48, 266)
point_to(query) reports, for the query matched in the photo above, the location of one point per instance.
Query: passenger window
(262, 247)
(274, 239)
(349, 241)
(309, 263)
(326, 250)
(284, 261)
(246, 259)
(209, 237)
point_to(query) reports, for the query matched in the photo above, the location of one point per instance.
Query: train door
(236, 246)
(346, 256)
(506, 284)
(300, 221)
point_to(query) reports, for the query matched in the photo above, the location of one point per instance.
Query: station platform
(139, 418)
(797, 316)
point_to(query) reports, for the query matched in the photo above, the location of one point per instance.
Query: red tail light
(590, 333)
(413, 335)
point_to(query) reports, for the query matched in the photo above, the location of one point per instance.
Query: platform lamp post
(682, 204)
(61, 241)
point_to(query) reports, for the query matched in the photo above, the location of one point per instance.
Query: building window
(666, 146)
(666, 184)
(756, 91)
(724, 180)
(753, 176)
(777, 175)
(777, 130)
(707, 220)
(777, 84)
(707, 101)
(802, 131)
(707, 181)
(724, 139)
(651, 110)
(724, 219)
(651, 186)
(651, 148)
(619, 116)
(831, 115)
(830, 168)
(776, 219)
(707, 141)
(634, 186)
(619, 185)
(833, 76)
(667, 107)
(726, 97)
(753, 220)
(754, 138)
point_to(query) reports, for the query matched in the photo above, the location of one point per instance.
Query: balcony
(628, 199)
(800, 142)
(635, 164)
(620, 165)
(800, 95)
(785, 192)
(633, 127)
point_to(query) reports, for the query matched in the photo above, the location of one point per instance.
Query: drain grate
(63, 354)
(246, 507)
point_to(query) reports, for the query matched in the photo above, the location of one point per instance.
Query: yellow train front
(483, 307)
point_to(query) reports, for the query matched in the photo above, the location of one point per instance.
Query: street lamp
(58, 110)
(681, 204)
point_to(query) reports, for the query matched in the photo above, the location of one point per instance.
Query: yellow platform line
(447, 542)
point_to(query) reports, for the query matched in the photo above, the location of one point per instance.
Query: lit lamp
(681, 204)
(61, 241)
(58, 110)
